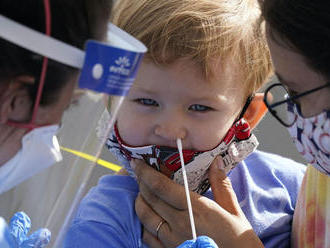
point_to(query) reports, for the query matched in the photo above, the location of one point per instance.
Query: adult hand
(162, 199)
(19, 227)
(200, 242)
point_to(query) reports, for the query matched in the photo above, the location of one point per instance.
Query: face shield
(51, 195)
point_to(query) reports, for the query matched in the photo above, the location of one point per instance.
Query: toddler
(206, 60)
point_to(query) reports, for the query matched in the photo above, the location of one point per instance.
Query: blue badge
(109, 69)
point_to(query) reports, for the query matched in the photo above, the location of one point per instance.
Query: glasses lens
(277, 100)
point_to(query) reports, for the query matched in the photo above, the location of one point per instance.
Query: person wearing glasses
(298, 33)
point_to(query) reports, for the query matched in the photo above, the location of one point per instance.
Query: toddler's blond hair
(201, 30)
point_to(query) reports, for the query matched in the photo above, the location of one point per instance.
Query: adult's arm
(161, 198)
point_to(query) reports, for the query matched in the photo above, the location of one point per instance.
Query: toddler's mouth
(233, 148)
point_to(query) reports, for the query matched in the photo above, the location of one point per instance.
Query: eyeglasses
(277, 99)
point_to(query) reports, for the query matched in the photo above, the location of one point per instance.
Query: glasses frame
(289, 99)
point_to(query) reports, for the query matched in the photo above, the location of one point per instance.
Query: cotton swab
(184, 174)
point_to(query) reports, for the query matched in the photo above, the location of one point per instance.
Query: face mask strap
(31, 125)
(44, 64)
(245, 107)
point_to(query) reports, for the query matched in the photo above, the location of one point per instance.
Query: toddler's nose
(170, 131)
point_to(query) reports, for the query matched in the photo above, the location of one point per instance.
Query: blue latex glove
(201, 242)
(18, 229)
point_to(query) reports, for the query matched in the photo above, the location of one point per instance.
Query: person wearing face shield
(35, 90)
(298, 38)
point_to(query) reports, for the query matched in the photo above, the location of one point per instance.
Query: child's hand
(162, 199)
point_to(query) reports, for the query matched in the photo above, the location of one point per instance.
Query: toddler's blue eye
(147, 102)
(199, 108)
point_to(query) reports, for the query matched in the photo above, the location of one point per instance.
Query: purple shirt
(266, 186)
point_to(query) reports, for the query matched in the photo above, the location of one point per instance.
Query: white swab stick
(184, 174)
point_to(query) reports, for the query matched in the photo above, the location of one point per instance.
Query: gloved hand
(18, 229)
(6, 240)
(200, 242)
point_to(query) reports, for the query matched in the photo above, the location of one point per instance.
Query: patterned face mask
(312, 137)
(236, 146)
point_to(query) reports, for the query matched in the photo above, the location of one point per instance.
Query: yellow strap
(86, 156)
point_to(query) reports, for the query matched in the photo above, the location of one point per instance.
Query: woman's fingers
(151, 240)
(222, 189)
(160, 207)
(160, 185)
(149, 218)
(162, 199)
(156, 228)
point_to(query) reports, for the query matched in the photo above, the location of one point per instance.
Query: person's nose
(171, 128)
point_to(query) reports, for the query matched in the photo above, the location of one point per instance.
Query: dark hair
(303, 26)
(72, 21)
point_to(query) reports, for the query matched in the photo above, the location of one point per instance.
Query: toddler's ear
(256, 110)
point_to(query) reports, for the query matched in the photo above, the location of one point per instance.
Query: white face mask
(312, 137)
(40, 149)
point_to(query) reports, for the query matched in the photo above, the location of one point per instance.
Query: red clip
(242, 130)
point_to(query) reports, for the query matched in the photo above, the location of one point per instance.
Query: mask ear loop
(31, 125)
(245, 107)
(44, 64)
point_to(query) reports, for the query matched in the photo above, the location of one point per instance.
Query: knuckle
(227, 183)
(138, 166)
(148, 196)
(140, 209)
(156, 185)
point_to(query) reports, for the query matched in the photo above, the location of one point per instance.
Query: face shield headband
(108, 67)
(31, 125)
(237, 144)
